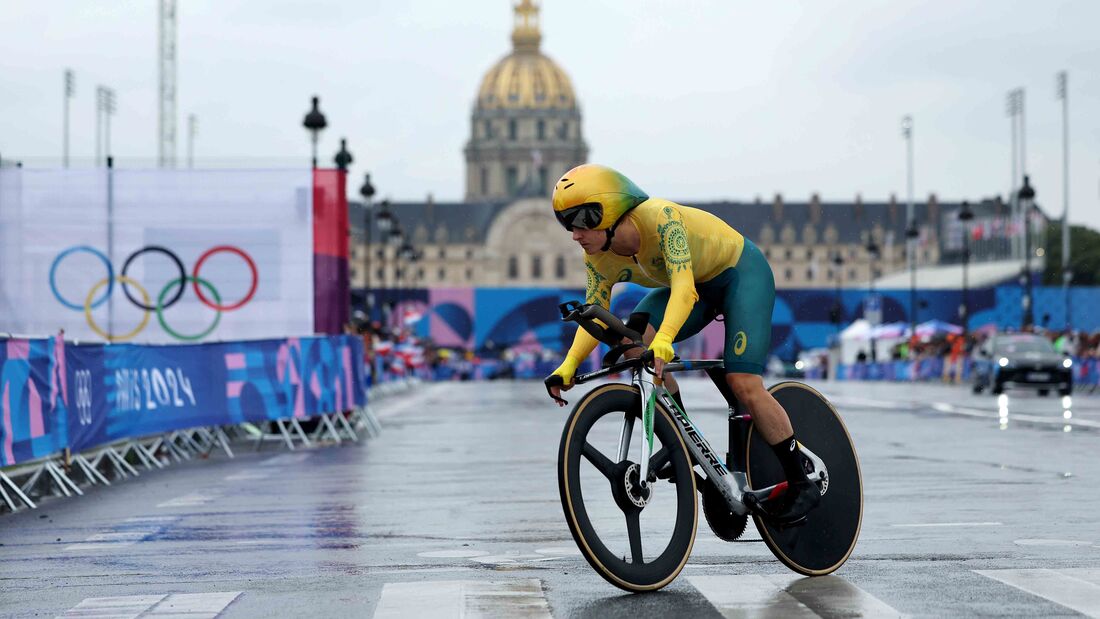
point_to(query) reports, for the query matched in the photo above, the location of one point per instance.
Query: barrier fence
(1086, 371)
(143, 404)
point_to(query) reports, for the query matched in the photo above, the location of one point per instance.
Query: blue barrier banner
(55, 395)
(32, 399)
(135, 390)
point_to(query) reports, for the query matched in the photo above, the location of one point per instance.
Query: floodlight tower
(166, 48)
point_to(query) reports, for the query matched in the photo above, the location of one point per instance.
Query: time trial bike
(639, 535)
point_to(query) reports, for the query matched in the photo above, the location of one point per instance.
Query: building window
(379, 275)
(513, 267)
(542, 179)
(563, 131)
(512, 129)
(541, 128)
(469, 254)
(559, 267)
(878, 273)
(536, 267)
(512, 178)
(809, 254)
(829, 275)
(810, 274)
(442, 253)
(851, 274)
(788, 274)
(484, 180)
(768, 254)
(488, 129)
(787, 254)
(351, 274)
(469, 274)
(420, 275)
(442, 274)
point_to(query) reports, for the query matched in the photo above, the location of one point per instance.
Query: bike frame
(729, 477)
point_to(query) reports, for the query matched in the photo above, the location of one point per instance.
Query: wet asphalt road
(972, 507)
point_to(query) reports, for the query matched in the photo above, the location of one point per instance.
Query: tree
(1084, 255)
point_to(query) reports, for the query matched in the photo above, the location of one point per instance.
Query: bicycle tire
(630, 576)
(825, 541)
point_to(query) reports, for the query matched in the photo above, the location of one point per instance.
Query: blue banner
(80, 396)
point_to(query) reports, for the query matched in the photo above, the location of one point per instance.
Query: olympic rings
(91, 302)
(248, 261)
(175, 259)
(91, 321)
(182, 285)
(94, 252)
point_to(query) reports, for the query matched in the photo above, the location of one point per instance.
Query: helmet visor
(585, 216)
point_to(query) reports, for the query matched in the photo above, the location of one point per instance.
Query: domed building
(525, 130)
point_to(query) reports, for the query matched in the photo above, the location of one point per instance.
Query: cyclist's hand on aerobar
(662, 351)
(561, 379)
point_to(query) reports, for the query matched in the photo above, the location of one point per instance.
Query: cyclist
(699, 268)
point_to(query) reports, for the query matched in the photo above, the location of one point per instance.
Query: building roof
(526, 79)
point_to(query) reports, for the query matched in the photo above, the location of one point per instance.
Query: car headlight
(1003, 362)
(1067, 363)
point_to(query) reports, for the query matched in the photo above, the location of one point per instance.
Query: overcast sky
(701, 100)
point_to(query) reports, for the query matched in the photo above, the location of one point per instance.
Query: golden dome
(525, 79)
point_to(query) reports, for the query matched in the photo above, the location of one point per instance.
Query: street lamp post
(965, 216)
(343, 159)
(838, 262)
(1027, 203)
(192, 131)
(911, 232)
(1067, 275)
(873, 256)
(367, 191)
(314, 122)
(70, 90)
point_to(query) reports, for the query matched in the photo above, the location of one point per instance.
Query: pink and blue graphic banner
(57, 395)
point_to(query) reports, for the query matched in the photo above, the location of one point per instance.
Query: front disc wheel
(636, 535)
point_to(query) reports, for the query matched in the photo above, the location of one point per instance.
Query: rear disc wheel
(826, 539)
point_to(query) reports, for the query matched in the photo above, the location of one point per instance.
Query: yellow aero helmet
(594, 197)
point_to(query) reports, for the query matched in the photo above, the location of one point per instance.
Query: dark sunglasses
(585, 216)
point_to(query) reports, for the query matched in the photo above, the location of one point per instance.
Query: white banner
(162, 256)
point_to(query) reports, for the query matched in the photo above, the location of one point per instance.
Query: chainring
(727, 525)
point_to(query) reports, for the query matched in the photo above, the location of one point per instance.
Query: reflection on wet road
(975, 505)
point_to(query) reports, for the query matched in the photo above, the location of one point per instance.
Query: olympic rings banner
(157, 256)
(57, 395)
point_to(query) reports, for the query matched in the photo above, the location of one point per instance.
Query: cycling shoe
(788, 504)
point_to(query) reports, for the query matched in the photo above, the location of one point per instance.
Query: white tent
(859, 335)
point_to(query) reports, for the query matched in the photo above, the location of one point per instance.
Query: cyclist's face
(590, 240)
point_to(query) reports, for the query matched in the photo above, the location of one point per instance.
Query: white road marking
(286, 459)
(1052, 542)
(131, 531)
(193, 605)
(560, 551)
(967, 411)
(461, 553)
(470, 599)
(948, 524)
(751, 596)
(195, 499)
(1077, 590)
(189, 605)
(124, 607)
(247, 476)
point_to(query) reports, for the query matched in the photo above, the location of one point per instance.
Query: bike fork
(644, 381)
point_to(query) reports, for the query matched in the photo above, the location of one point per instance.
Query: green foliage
(1084, 255)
